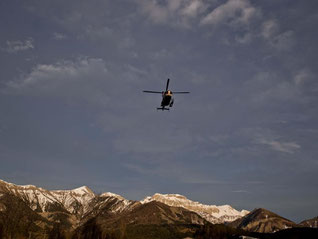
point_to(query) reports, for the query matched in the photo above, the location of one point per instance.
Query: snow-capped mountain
(81, 201)
(212, 213)
(113, 203)
(33, 212)
(74, 201)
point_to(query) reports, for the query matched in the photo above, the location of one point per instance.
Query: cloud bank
(18, 46)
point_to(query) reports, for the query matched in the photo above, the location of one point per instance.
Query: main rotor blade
(150, 91)
(180, 92)
(167, 84)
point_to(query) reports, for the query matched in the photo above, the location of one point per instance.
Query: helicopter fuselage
(167, 99)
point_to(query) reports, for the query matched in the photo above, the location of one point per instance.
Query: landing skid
(163, 108)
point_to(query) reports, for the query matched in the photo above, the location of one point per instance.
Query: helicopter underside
(167, 100)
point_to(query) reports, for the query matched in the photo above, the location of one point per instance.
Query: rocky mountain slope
(56, 211)
(18, 220)
(262, 220)
(212, 213)
(74, 201)
(313, 222)
(152, 215)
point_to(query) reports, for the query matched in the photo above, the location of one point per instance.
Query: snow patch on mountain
(76, 200)
(212, 213)
(37, 198)
(109, 194)
(120, 205)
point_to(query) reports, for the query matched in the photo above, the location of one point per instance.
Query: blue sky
(72, 111)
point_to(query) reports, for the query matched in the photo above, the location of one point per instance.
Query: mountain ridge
(77, 201)
(312, 222)
(262, 220)
(27, 211)
(212, 213)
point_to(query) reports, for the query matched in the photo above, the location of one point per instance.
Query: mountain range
(33, 212)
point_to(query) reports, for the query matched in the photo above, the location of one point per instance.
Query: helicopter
(167, 99)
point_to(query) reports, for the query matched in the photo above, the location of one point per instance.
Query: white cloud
(285, 147)
(305, 81)
(16, 46)
(271, 138)
(177, 13)
(269, 28)
(233, 11)
(194, 8)
(155, 12)
(58, 36)
(284, 41)
(280, 40)
(303, 76)
(83, 80)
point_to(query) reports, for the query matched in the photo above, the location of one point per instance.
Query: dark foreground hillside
(163, 231)
(292, 233)
(168, 231)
